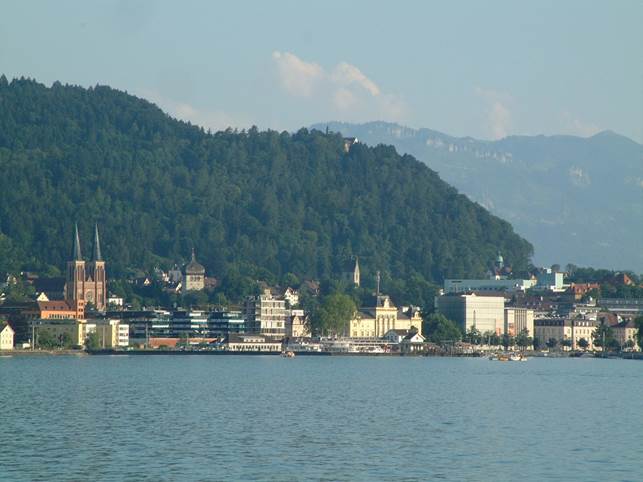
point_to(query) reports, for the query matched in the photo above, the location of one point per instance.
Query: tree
(333, 315)
(45, 340)
(551, 343)
(537, 343)
(439, 329)
(523, 340)
(583, 343)
(603, 336)
(566, 343)
(473, 336)
(507, 341)
(92, 342)
(639, 333)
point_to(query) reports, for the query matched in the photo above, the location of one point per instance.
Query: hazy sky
(484, 69)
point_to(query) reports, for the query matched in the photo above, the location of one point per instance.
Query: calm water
(270, 418)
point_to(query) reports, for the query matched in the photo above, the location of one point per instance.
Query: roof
(193, 267)
(7, 326)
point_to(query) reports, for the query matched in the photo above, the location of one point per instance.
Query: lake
(319, 418)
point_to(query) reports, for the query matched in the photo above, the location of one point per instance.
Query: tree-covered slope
(578, 200)
(261, 203)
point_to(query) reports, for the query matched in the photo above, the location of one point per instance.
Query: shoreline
(142, 352)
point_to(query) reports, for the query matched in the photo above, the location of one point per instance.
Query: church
(86, 283)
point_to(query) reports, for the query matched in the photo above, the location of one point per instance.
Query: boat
(517, 357)
(288, 354)
(502, 358)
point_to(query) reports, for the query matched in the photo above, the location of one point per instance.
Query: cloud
(214, 120)
(344, 88)
(296, 76)
(498, 115)
(347, 74)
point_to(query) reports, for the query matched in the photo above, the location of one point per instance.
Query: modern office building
(486, 313)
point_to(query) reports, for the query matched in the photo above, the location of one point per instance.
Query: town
(543, 314)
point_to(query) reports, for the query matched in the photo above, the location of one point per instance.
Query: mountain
(265, 205)
(578, 200)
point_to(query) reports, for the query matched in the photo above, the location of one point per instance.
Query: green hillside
(263, 204)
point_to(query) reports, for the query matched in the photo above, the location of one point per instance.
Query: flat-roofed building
(518, 319)
(110, 333)
(452, 286)
(486, 313)
(266, 315)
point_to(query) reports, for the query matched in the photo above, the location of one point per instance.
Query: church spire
(76, 254)
(97, 254)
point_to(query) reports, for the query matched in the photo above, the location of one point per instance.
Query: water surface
(319, 418)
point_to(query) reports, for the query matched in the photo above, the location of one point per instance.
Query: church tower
(97, 279)
(75, 282)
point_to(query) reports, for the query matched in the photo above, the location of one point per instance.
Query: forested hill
(263, 204)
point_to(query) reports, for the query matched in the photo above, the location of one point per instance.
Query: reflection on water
(327, 418)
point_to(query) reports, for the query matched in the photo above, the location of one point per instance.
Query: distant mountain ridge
(578, 200)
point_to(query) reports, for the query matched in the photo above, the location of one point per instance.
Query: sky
(466, 68)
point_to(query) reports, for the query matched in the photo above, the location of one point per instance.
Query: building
(86, 283)
(348, 143)
(625, 334)
(578, 290)
(551, 280)
(7, 338)
(629, 307)
(223, 323)
(110, 333)
(453, 286)
(194, 277)
(565, 330)
(253, 343)
(291, 295)
(351, 274)
(517, 320)
(297, 325)
(75, 331)
(266, 315)
(61, 310)
(485, 313)
(375, 322)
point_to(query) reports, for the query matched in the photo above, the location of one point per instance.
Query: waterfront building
(297, 325)
(110, 333)
(518, 319)
(86, 283)
(252, 343)
(485, 313)
(194, 277)
(375, 322)
(6, 337)
(223, 323)
(569, 330)
(266, 314)
(625, 334)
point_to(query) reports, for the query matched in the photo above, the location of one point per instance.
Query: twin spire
(77, 255)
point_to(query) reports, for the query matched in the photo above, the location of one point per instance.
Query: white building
(486, 313)
(266, 314)
(6, 338)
